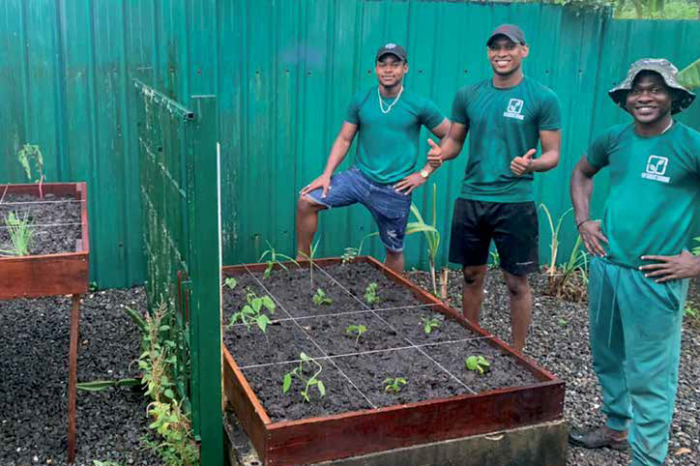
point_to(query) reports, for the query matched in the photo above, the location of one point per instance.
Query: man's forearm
(546, 161)
(338, 152)
(450, 148)
(581, 192)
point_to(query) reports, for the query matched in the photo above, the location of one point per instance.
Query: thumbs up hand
(522, 165)
(434, 154)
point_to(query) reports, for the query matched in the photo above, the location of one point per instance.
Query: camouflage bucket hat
(681, 99)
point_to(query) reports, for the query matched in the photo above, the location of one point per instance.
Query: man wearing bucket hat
(638, 279)
(508, 115)
(388, 119)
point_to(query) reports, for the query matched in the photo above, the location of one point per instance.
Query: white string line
(46, 225)
(401, 335)
(312, 340)
(362, 353)
(363, 311)
(67, 201)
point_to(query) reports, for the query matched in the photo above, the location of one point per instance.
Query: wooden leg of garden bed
(73, 377)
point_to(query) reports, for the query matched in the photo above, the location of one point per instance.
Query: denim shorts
(389, 208)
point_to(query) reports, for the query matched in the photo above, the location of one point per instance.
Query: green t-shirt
(388, 142)
(503, 124)
(654, 191)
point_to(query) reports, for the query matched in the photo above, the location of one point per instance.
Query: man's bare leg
(520, 308)
(307, 223)
(395, 261)
(473, 291)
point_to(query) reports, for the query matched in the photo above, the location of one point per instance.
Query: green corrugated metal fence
(283, 72)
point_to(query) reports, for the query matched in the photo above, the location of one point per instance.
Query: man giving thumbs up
(508, 115)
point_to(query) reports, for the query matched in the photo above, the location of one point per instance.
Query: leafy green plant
(371, 294)
(310, 257)
(692, 313)
(689, 77)
(32, 153)
(252, 312)
(429, 323)
(306, 365)
(274, 258)
(230, 282)
(176, 446)
(432, 235)
(495, 259)
(351, 253)
(21, 234)
(355, 330)
(478, 364)
(570, 281)
(101, 385)
(319, 298)
(393, 385)
(696, 250)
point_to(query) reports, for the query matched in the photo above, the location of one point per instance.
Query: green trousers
(635, 327)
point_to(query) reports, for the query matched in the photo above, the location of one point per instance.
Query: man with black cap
(639, 277)
(388, 118)
(507, 115)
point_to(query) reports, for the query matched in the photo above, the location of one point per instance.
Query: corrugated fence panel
(284, 72)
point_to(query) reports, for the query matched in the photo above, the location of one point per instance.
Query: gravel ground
(558, 341)
(33, 388)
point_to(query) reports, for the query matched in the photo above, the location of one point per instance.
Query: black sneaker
(599, 438)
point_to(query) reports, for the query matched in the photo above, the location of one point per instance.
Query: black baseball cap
(511, 31)
(392, 49)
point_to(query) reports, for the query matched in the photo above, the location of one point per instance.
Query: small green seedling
(349, 255)
(356, 330)
(274, 258)
(252, 312)
(21, 234)
(310, 257)
(691, 312)
(429, 323)
(309, 382)
(371, 294)
(320, 298)
(231, 282)
(27, 154)
(478, 364)
(393, 385)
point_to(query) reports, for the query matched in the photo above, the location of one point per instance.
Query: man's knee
(306, 204)
(517, 284)
(474, 276)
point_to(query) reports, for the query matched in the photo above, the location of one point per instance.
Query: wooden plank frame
(338, 436)
(50, 274)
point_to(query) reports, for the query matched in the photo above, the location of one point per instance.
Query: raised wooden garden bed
(441, 399)
(57, 263)
(62, 271)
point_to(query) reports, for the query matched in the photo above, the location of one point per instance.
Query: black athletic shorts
(512, 226)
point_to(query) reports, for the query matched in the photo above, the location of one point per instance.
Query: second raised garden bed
(441, 398)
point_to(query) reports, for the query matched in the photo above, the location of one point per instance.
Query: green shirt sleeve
(430, 115)
(459, 108)
(550, 113)
(598, 156)
(353, 115)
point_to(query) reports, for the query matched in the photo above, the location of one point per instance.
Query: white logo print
(390, 45)
(515, 109)
(656, 169)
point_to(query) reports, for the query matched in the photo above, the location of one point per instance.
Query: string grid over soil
(55, 221)
(354, 368)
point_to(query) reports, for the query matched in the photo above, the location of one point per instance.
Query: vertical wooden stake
(73, 377)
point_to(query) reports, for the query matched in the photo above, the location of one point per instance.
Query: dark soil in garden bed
(33, 386)
(55, 221)
(558, 341)
(382, 351)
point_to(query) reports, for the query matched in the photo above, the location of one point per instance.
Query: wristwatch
(424, 174)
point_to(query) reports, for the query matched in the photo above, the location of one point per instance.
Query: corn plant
(27, 154)
(393, 385)
(252, 312)
(478, 364)
(371, 294)
(309, 382)
(310, 257)
(554, 235)
(357, 330)
(274, 258)
(429, 323)
(432, 235)
(21, 234)
(319, 298)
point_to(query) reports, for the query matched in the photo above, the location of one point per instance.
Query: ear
(405, 68)
(526, 51)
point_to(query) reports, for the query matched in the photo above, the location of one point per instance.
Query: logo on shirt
(656, 169)
(515, 109)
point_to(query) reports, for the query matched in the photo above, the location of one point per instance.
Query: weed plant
(394, 385)
(21, 234)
